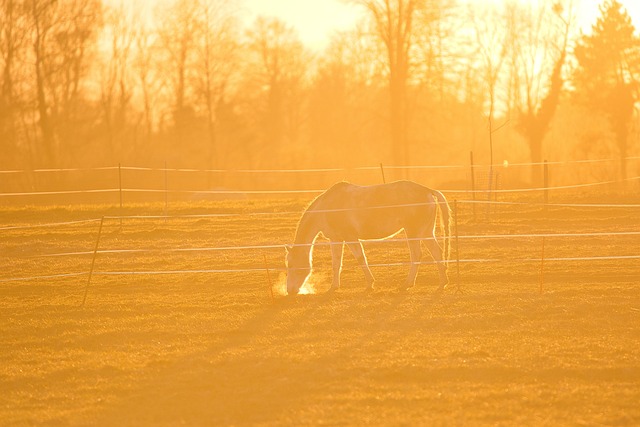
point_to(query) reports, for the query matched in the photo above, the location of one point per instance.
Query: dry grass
(212, 349)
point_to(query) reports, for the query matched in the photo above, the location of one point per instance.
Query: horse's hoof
(441, 288)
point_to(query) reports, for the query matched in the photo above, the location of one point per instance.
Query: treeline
(92, 83)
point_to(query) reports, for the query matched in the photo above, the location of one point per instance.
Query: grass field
(215, 349)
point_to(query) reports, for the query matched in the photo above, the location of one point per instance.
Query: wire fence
(280, 245)
(130, 184)
(298, 212)
(470, 192)
(304, 191)
(313, 170)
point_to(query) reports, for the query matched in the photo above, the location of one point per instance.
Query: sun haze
(313, 20)
(316, 20)
(245, 213)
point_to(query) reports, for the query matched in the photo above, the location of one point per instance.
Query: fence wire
(312, 170)
(281, 245)
(298, 192)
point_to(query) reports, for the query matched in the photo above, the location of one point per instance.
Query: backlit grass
(214, 349)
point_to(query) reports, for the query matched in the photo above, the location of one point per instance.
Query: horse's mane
(313, 204)
(318, 199)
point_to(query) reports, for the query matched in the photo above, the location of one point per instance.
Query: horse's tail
(445, 223)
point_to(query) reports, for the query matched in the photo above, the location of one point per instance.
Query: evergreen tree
(608, 66)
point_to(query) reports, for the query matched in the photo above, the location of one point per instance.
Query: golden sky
(315, 20)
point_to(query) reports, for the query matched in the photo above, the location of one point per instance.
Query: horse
(349, 214)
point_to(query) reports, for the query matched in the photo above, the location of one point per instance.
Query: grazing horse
(348, 213)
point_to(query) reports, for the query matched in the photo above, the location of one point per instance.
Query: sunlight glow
(168, 167)
(307, 288)
(315, 21)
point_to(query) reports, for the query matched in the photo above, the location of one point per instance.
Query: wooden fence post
(166, 190)
(266, 267)
(542, 267)
(120, 188)
(93, 262)
(546, 185)
(473, 184)
(384, 181)
(455, 222)
(120, 184)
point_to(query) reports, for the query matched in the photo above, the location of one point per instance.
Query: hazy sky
(316, 19)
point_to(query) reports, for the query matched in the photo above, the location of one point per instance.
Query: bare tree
(115, 82)
(147, 79)
(61, 33)
(12, 46)
(282, 64)
(492, 44)
(177, 35)
(216, 64)
(393, 22)
(345, 102)
(540, 37)
(437, 41)
(41, 16)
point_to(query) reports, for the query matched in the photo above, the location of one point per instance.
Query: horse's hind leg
(336, 262)
(436, 253)
(358, 253)
(416, 254)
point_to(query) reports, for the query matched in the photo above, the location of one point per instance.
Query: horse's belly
(377, 229)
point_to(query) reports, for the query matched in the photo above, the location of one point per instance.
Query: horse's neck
(308, 229)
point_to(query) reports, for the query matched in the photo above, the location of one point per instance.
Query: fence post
(455, 222)
(266, 267)
(473, 184)
(120, 188)
(384, 181)
(546, 185)
(490, 189)
(93, 262)
(166, 190)
(542, 267)
(120, 185)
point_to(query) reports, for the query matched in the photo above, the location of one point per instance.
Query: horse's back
(376, 211)
(397, 192)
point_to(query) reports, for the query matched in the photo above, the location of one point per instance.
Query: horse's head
(298, 268)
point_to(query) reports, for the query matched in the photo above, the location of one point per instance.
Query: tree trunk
(398, 124)
(621, 108)
(536, 124)
(44, 119)
(535, 150)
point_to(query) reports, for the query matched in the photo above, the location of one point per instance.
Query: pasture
(155, 346)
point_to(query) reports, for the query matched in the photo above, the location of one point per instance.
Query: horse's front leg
(358, 253)
(336, 261)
